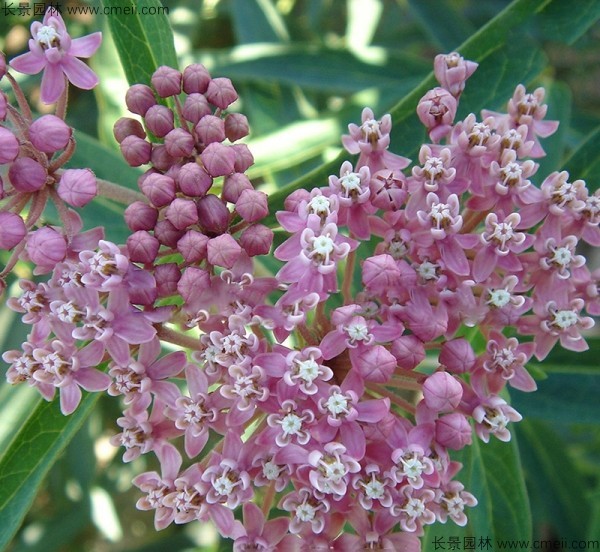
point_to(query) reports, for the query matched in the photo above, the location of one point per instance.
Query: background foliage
(304, 69)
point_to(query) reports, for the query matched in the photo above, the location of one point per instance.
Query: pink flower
(51, 49)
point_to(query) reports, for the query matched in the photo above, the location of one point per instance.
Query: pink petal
(454, 257)
(85, 46)
(484, 264)
(196, 380)
(29, 63)
(170, 461)
(332, 345)
(225, 522)
(70, 396)
(353, 437)
(195, 443)
(168, 366)
(91, 354)
(53, 83)
(522, 380)
(149, 352)
(373, 411)
(254, 519)
(92, 380)
(79, 73)
(167, 391)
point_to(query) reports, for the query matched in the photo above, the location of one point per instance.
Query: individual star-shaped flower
(52, 50)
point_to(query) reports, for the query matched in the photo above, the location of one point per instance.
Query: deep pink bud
(12, 230)
(9, 146)
(453, 431)
(233, 185)
(182, 213)
(49, 134)
(436, 110)
(195, 107)
(219, 160)
(452, 70)
(77, 187)
(142, 247)
(46, 247)
(27, 175)
(243, 157)
(195, 79)
(213, 214)
(380, 273)
(442, 392)
(252, 205)
(139, 99)
(167, 234)
(166, 81)
(409, 351)
(221, 93)
(193, 246)
(136, 151)
(159, 189)
(223, 251)
(257, 240)
(126, 126)
(141, 216)
(457, 356)
(291, 202)
(159, 119)
(161, 159)
(210, 129)
(179, 143)
(376, 364)
(193, 180)
(236, 126)
(193, 279)
(167, 276)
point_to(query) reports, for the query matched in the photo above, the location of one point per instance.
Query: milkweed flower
(52, 50)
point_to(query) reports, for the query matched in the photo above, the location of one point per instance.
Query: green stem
(380, 390)
(119, 193)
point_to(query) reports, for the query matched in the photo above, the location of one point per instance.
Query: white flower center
(414, 508)
(305, 512)
(357, 332)
(308, 370)
(412, 466)
(427, 270)
(562, 256)
(337, 404)
(319, 205)
(291, 424)
(565, 319)
(496, 420)
(223, 485)
(350, 183)
(48, 37)
(271, 470)
(323, 245)
(374, 489)
(499, 297)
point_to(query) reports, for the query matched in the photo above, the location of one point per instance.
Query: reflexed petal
(70, 395)
(78, 73)
(53, 83)
(85, 46)
(92, 380)
(28, 63)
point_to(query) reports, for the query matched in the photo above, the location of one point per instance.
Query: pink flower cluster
(338, 407)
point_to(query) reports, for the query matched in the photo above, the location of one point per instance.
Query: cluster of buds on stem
(335, 415)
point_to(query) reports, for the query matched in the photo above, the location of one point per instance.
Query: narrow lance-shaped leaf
(144, 42)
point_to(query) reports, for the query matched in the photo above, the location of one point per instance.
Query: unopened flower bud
(452, 71)
(27, 175)
(192, 280)
(166, 81)
(167, 234)
(159, 189)
(77, 187)
(292, 201)
(49, 134)
(218, 159)
(141, 216)
(159, 119)
(442, 392)
(453, 431)
(161, 159)
(221, 93)
(12, 230)
(46, 248)
(380, 273)
(141, 286)
(142, 247)
(136, 151)
(210, 129)
(257, 240)
(376, 364)
(182, 213)
(252, 205)
(243, 157)
(436, 110)
(195, 79)
(126, 126)
(193, 180)
(179, 143)
(139, 99)
(195, 107)
(457, 356)
(236, 126)
(193, 246)
(167, 276)
(233, 185)
(9, 146)
(213, 214)
(223, 251)
(409, 351)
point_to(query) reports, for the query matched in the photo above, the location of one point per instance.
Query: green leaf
(553, 479)
(144, 41)
(435, 15)
(31, 454)
(560, 21)
(584, 162)
(257, 21)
